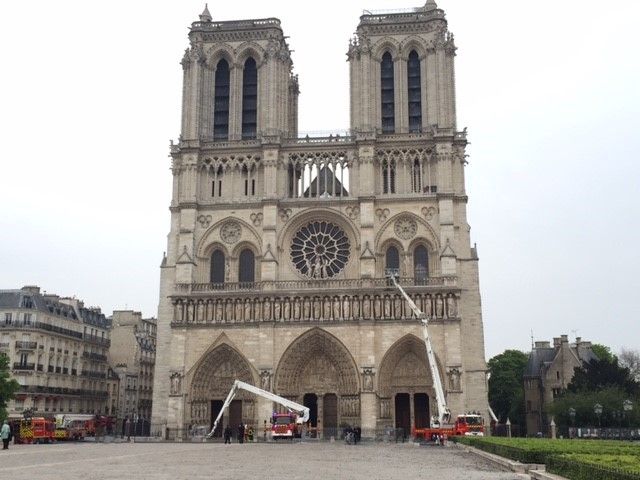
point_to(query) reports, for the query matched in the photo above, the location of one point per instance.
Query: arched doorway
(318, 370)
(211, 381)
(405, 385)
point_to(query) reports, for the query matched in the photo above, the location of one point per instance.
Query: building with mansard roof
(279, 243)
(57, 350)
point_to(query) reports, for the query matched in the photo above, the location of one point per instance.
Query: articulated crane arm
(444, 415)
(301, 410)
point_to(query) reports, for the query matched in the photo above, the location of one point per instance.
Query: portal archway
(211, 381)
(317, 367)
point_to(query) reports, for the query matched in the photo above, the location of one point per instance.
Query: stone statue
(296, 308)
(238, 311)
(176, 383)
(286, 309)
(326, 314)
(452, 309)
(346, 313)
(265, 380)
(439, 307)
(306, 307)
(454, 379)
(397, 307)
(228, 314)
(366, 307)
(218, 311)
(257, 309)
(387, 307)
(247, 310)
(317, 308)
(267, 309)
(367, 379)
(336, 308)
(276, 309)
(376, 307)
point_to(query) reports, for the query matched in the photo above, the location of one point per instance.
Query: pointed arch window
(392, 260)
(420, 265)
(221, 102)
(414, 92)
(387, 94)
(249, 99)
(246, 267)
(217, 267)
(388, 176)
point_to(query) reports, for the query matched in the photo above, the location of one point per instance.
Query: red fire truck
(285, 425)
(469, 425)
(37, 430)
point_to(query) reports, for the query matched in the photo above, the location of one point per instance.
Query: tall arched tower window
(387, 94)
(388, 176)
(249, 99)
(392, 259)
(246, 267)
(221, 102)
(420, 264)
(217, 267)
(414, 92)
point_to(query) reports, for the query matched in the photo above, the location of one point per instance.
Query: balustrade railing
(22, 345)
(24, 366)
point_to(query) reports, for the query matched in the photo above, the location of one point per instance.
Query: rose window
(320, 250)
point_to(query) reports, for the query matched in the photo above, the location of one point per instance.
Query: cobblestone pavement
(177, 461)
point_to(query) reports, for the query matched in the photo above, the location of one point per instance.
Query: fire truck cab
(285, 425)
(37, 430)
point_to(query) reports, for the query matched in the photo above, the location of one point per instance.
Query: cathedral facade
(275, 270)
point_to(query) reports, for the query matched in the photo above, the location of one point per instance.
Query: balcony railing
(63, 391)
(42, 326)
(26, 345)
(4, 344)
(105, 342)
(92, 374)
(95, 356)
(303, 285)
(24, 366)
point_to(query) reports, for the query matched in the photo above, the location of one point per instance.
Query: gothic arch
(317, 362)
(404, 368)
(386, 44)
(217, 53)
(213, 375)
(250, 49)
(428, 233)
(413, 43)
(208, 238)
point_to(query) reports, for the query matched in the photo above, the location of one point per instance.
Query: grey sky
(550, 92)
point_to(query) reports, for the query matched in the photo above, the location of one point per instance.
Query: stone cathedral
(279, 244)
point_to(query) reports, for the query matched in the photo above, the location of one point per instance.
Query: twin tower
(279, 242)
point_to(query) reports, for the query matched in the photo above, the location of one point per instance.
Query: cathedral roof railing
(292, 286)
(258, 23)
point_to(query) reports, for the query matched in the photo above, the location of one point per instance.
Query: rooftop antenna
(575, 333)
(532, 339)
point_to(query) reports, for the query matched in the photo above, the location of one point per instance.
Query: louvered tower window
(221, 102)
(249, 99)
(387, 94)
(247, 268)
(420, 264)
(414, 93)
(217, 267)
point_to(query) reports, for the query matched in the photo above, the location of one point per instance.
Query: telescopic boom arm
(301, 410)
(444, 415)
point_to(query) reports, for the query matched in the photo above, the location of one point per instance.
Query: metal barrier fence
(254, 433)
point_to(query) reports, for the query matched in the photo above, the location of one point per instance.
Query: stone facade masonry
(279, 243)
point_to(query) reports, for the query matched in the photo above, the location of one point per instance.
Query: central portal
(310, 401)
(330, 415)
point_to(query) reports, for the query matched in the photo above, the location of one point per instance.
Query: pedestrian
(227, 435)
(357, 434)
(5, 434)
(241, 433)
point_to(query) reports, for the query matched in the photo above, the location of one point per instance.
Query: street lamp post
(597, 409)
(627, 406)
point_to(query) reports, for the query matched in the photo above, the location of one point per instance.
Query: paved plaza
(176, 461)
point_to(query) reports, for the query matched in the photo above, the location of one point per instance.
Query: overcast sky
(550, 93)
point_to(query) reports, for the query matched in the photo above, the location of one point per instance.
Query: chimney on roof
(31, 289)
(542, 344)
(556, 342)
(564, 338)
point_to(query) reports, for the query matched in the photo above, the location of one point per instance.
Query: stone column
(412, 415)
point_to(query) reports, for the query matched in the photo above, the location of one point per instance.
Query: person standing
(227, 435)
(241, 433)
(5, 434)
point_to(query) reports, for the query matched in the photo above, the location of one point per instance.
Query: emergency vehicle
(285, 425)
(37, 430)
(440, 428)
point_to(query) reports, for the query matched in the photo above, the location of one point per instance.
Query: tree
(597, 375)
(8, 385)
(603, 352)
(506, 390)
(583, 402)
(630, 359)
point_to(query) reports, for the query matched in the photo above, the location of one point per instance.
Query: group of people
(242, 431)
(353, 435)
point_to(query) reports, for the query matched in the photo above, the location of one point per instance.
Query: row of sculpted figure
(335, 308)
